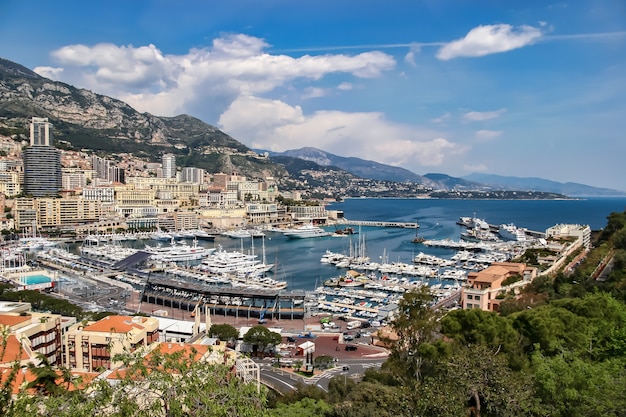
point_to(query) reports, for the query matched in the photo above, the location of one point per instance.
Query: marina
(377, 264)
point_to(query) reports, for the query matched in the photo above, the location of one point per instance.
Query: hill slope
(85, 119)
(359, 167)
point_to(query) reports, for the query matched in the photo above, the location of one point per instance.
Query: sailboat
(417, 239)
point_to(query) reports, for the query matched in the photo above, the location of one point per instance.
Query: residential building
(93, 346)
(35, 333)
(192, 174)
(169, 165)
(42, 162)
(309, 214)
(55, 212)
(259, 213)
(565, 231)
(486, 290)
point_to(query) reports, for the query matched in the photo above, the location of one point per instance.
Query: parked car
(351, 348)
(348, 338)
(291, 339)
(346, 368)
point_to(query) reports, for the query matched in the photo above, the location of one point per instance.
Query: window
(477, 297)
(470, 297)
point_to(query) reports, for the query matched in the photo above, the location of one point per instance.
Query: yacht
(306, 231)
(512, 232)
(223, 262)
(179, 252)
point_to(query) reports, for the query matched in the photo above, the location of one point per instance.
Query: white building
(564, 231)
(169, 165)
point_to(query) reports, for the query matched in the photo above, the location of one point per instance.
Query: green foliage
(164, 385)
(224, 332)
(511, 279)
(260, 337)
(372, 400)
(478, 327)
(415, 324)
(574, 387)
(307, 406)
(42, 302)
(475, 378)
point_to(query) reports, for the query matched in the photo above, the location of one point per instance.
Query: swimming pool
(35, 279)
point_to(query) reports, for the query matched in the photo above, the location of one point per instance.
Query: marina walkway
(402, 225)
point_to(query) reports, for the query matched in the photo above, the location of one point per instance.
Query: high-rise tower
(169, 165)
(42, 162)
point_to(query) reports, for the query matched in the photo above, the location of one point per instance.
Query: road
(286, 380)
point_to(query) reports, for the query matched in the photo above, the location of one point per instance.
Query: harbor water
(298, 260)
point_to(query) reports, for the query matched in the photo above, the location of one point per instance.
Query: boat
(202, 235)
(222, 262)
(512, 232)
(161, 235)
(179, 252)
(347, 231)
(243, 233)
(306, 231)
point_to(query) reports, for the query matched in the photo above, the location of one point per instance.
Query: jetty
(375, 223)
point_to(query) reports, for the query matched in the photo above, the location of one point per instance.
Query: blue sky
(530, 89)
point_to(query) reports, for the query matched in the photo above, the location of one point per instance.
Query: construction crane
(262, 316)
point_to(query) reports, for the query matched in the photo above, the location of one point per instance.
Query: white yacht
(512, 232)
(306, 231)
(179, 252)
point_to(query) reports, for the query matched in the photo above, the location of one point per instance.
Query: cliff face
(89, 120)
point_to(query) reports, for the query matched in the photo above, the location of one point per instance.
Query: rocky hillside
(84, 119)
(359, 167)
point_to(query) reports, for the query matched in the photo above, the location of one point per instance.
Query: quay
(401, 225)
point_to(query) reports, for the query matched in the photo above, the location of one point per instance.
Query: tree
(260, 337)
(570, 386)
(475, 380)
(415, 325)
(305, 407)
(225, 332)
(163, 385)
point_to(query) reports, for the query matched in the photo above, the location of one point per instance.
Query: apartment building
(55, 212)
(487, 288)
(565, 231)
(259, 213)
(35, 333)
(93, 346)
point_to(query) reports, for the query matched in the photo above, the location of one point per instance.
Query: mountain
(447, 183)
(539, 184)
(84, 119)
(359, 167)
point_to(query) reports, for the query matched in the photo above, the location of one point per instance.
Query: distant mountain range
(539, 184)
(479, 182)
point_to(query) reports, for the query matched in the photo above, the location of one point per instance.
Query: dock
(374, 223)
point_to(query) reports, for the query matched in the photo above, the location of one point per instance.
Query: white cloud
(206, 79)
(49, 72)
(487, 135)
(345, 86)
(490, 39)
(314, 92)
(475, 168)
(415, 50)
(477, 116)
(442, 119)
(274, 125)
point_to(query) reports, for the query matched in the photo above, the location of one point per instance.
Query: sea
(298, 260)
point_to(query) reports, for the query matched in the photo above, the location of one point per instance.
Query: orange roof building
(93, 346)
(35, 333)
(485, 290)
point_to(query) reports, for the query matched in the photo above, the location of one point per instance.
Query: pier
(401, 225)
